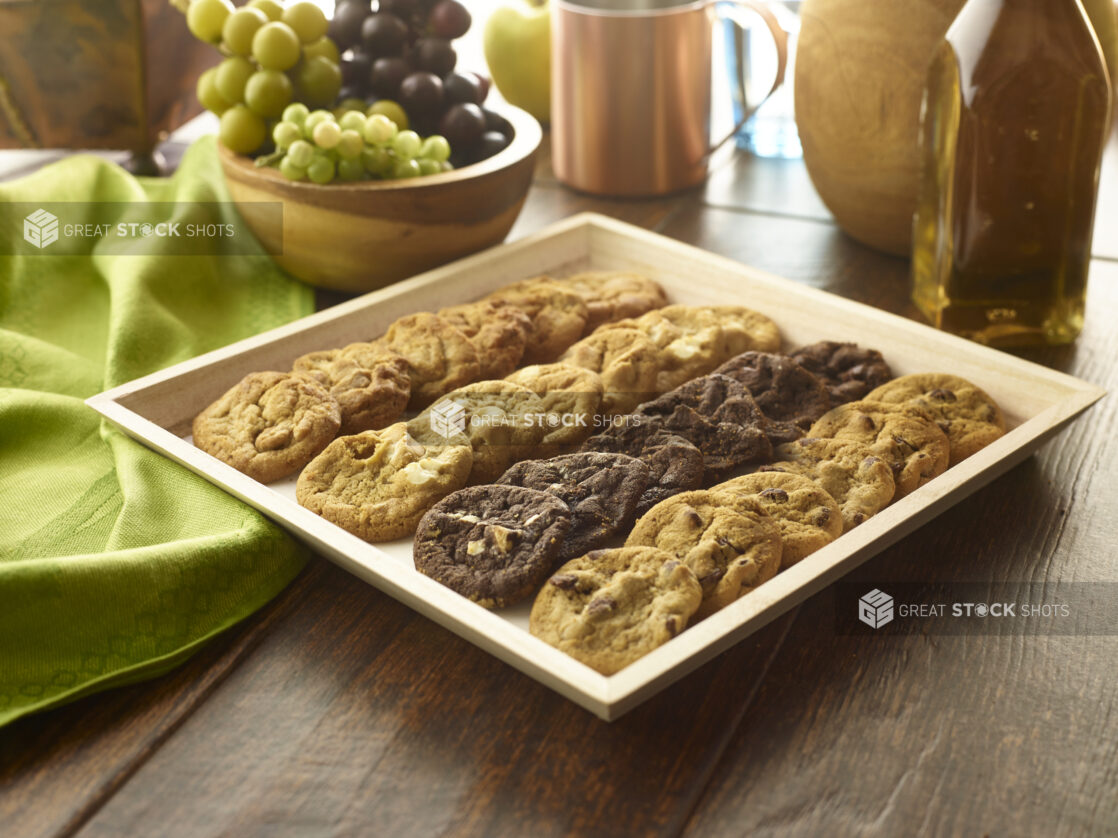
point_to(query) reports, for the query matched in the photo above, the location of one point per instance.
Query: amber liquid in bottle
(1016, 114)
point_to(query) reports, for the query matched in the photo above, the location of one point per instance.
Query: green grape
(325, 48)
(318, 81)
(447, 166)
(392, 110)
(406, 168)
(351, 104)
(350, 169)
(275, 46)
(208, 93)
(321, 169)
(406, 144)
(350, 144)
(428, 166)
(435, 148)
(313, 119)
(377, 161)
(301, 153)
(286, 133)
(239, 28)
(267, 93)
(204, 19)
(352, 121)
(295, 112)
(231, 77)
(271, 9)
(242, 131)
(307, 20)
(379, 129)
(326, 134)
(290, 171)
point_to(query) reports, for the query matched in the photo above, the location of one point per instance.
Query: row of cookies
(271, 424)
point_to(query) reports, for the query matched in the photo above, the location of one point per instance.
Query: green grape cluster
(321, 146)
(274, 55)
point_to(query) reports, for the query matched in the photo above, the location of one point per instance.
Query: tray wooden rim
(609, 697)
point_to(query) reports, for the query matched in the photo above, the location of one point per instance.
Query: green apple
(517, 42)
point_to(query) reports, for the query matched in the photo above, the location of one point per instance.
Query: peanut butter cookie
(370, 383)
(628, 362)
(808, 517)
(860, 482)
(571, 398)
(614, 295)
(558, 315)
(612, 607)
(268, 425)
(378, 484)
(729, 541)
(499, 333)
(905, 436)
(492, 544)
(969, 417)
(440, 357)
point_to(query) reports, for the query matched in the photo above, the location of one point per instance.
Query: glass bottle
(1015, 117)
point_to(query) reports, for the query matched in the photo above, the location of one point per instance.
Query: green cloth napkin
(116, 564)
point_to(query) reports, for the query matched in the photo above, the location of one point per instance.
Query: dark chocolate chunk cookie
(785, 391)
(601, 491)
(675, 465)
(848, 371)
(492, 544)
(723, 400)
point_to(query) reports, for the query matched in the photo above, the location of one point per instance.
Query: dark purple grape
(421, 94)
(462, 87)
(386, 75)
(403, 9)
(449, 19)
(491, 142)
(384, 34)
(495, 122)
(462, 125)
(345, 26)
(486, 84)
(434, 55)
(355, 68)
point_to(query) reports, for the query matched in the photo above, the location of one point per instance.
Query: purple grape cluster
(402, 50)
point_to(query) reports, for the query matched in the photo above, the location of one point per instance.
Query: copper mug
(631, 91)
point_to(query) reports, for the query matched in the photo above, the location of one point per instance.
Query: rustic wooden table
(338, 711)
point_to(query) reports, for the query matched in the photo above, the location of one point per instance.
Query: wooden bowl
(362, 236)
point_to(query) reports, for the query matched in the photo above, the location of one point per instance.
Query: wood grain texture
(353, 715)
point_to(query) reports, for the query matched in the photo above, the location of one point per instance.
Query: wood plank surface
(337, 711)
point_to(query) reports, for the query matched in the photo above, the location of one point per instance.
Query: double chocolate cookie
(492, 544)
(675, 465)
(785, 391)
(848, 370)
(601, 491)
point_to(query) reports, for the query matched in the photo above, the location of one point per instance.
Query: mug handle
(780, 38)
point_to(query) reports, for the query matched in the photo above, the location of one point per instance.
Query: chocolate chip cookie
(785, 391)
(612, 607)
(808, 517)
(627, 361)
(730, 542)
(558, 315)
(501, 421)
(378, 484)
(614, 295)
(268, 425)
(675, 465)
(969, 417)
(848, 371)
(499, 333)
(905, 436)
(494, 545)
(860, 482)
(601, 491)
(370, 383)
(440, 357)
